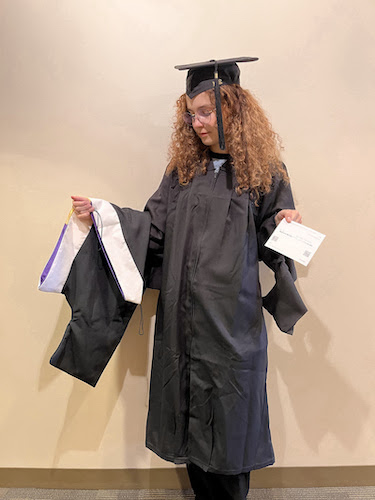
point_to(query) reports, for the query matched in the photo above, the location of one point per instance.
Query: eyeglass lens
(202, 115)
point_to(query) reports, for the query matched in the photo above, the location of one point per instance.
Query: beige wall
(87, 93)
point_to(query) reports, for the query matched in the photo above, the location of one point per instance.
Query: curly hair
(253, 146)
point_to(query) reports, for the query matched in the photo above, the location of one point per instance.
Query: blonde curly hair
(253, 146)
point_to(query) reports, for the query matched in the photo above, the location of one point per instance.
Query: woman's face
(206, 131)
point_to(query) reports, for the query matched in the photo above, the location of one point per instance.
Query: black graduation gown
(208, 400)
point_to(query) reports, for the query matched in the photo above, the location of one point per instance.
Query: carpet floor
(353, 493)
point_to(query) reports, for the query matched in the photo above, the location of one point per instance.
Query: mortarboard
(212, 74)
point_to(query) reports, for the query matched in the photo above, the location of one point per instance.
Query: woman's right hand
(83, 208)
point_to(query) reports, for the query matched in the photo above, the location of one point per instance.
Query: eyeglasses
(203, 115)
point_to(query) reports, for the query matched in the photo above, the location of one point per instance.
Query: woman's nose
(196, 123)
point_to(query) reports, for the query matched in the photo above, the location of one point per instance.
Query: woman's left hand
(288, 215)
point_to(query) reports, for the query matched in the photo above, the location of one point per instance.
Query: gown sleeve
(157, 207)
(100, 272)
(283, 302)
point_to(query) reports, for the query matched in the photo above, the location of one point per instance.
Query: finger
(288, 215)
(285, 214)
(297, 217)
(291, 215)
(79, 198)
(84, 201)
(84, 215)
(82, 207)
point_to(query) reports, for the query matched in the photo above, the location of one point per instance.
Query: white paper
(295, 241)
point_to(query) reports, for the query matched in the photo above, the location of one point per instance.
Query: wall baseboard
(176, 478)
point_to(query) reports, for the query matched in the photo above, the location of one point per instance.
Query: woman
(216, 206)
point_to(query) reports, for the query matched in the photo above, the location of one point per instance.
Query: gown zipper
(213, 185)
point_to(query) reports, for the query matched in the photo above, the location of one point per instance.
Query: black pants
(210, 486)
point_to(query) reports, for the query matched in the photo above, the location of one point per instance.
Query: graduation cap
(212, 74)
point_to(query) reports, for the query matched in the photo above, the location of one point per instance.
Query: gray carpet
(356, 493)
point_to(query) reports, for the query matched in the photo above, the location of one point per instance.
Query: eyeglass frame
(190, 117)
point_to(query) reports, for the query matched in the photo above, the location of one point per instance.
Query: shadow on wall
(322, 400)
(88, 409)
